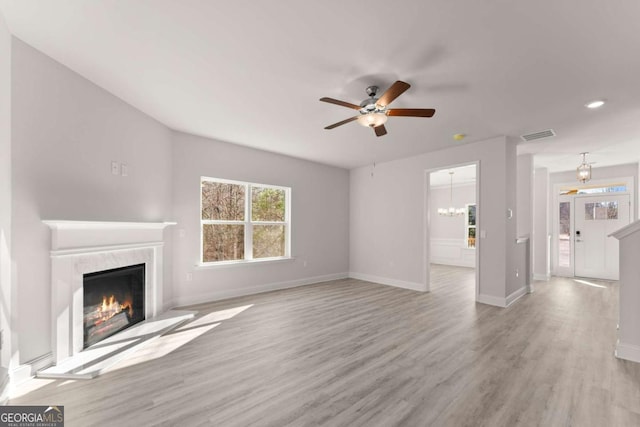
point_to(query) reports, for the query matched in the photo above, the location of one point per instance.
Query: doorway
(452, 219)
(584, 220)
(596, 255)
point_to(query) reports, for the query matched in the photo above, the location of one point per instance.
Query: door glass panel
(601, 210)
(564, 235)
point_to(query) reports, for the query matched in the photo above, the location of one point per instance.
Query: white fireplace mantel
(81, 247)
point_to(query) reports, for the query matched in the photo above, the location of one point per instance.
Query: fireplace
(113, 301)
(80, 248)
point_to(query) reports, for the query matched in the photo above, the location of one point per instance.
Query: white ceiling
(252, 72)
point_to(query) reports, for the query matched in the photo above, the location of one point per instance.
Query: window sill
(228, 264)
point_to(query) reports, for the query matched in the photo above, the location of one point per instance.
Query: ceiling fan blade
(380, 130)
(393, 92)
(411, 112)
(338, 102)
(344, 122)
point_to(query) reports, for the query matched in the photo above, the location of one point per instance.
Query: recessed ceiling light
(595, 104)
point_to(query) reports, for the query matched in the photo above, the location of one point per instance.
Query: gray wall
(5, 205)
(66, 132)
(388, 225)
(320, 219)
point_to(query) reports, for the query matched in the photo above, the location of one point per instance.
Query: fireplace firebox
(113, 301)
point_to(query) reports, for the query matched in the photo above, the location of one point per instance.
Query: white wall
(447, 239)
(320, 219)
(387, 233)
(525, 195)
(66, 132)
(541, 225)
(5, 207)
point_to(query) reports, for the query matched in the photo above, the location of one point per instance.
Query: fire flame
(110, 307)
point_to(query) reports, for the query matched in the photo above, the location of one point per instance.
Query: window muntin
(236, 228)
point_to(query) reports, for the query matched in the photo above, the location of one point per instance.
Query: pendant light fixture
(584, 170)
(451, 211)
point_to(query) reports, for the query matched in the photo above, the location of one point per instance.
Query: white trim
(502, 302)
(242, 263)
(514, 296)
(626, 230)
(414, 286)
(233, 293)
(27, 370)
(5, 385)
(491, 300)
(628, 352)
(98, 249)
(105, 225)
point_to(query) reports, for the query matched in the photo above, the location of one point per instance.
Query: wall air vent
(538, 135)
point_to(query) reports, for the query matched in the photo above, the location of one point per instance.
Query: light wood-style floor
(352, 353)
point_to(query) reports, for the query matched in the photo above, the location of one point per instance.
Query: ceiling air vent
(538, 135)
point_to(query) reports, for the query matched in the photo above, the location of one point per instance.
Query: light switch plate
(115, 168)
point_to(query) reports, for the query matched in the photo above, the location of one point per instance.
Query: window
(601, 210)
(470, 225)
(242, 221)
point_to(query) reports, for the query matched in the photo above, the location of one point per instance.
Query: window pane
(601, 210)
(612, 210)
(471, 215)
(564, 235)
(268, 241)
(222, 242)
(471, 237)
(222, 201)
(267, 204)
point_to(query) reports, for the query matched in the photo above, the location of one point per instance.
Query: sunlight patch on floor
(584, 282)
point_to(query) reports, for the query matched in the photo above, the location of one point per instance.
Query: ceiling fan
(374, 111)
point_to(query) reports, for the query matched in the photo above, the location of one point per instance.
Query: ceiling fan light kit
(374, 112)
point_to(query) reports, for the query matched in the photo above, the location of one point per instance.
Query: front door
(597, 216)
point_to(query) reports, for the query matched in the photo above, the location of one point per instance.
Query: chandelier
(584, 170)
(451, 211)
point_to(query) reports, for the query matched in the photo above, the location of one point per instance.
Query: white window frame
(247, 223)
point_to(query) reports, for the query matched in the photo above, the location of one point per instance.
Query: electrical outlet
(189, 277)
(115, 168)
(124, 169)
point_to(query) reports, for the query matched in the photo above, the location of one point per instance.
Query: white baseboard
(4, 386)
(28, 370)
(516, 296)
(232, 293)
(502, 302)
(414, 286)
(491, 300)
(628, 352)
(543, 277)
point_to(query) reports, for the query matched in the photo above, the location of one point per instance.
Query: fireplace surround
(86, 247)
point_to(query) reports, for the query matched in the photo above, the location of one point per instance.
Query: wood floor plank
(353, 353)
